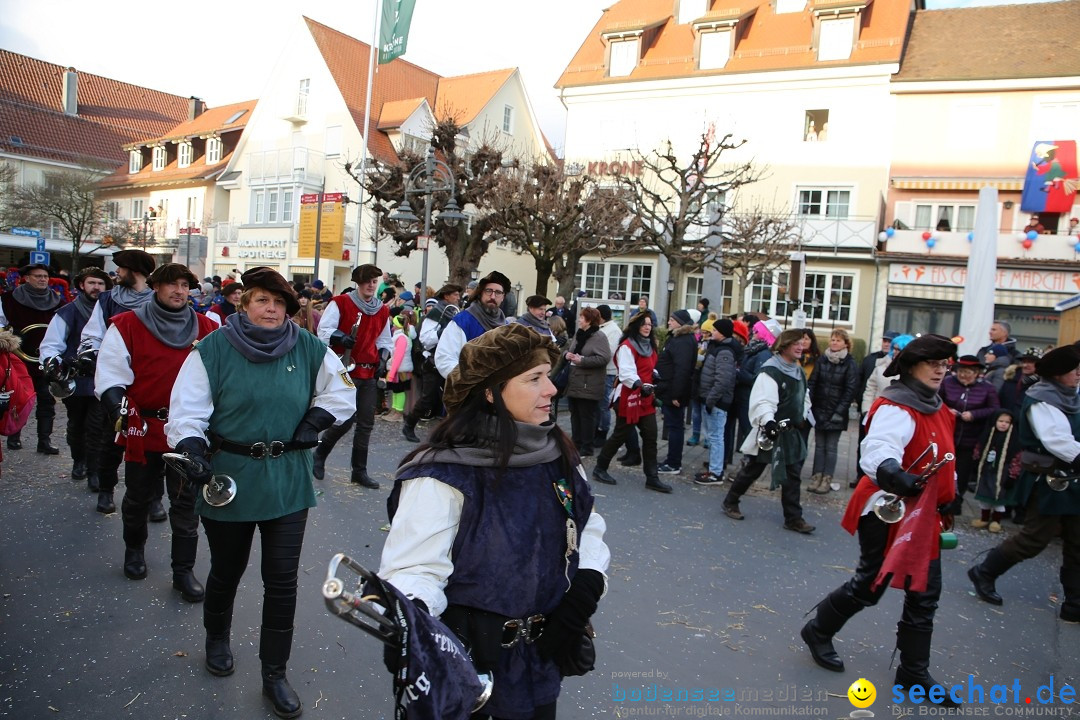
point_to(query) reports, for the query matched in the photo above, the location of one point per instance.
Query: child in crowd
(997, 457)
(399, 375)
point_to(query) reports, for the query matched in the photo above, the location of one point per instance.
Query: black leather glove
(53, 367)
(345, 340)
(891, 478)
(838, 419)
(112, 400)
(564, 626)
(315, 420)
(391, 656)
(647, 390)
(1074, 466)
(197, 451)
(86, 361)
(771, 430)
(636, 385)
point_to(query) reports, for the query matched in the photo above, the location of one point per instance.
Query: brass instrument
(346, 357)
(890, 507)
(21, 334)
(219, 492)
(1060, 480)
(766, 443)
(61, 375)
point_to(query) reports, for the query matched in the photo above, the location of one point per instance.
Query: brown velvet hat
(230, 289)
(93, 272)
(924, 347)
(171, 272)
(136, 261)
(1058, 361)
(494, 357)
(271, 280)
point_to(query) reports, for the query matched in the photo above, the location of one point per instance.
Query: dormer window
(714, 49)
(183, 155)
(691, 10)
(213, 151)
(624, 55)
(134, 161)
(161, 157)
(835, 38)
(790, 6)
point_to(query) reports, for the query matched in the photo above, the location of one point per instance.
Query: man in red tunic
(139, 360)
(902, 424)
(357, 325)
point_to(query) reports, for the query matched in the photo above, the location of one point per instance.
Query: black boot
(653, 481)
(600, 473)
(219, 657)
(93, 482)
(630, 459)
(183, 564)
(105, 502)
(835, 610)
(1070, 582)
(914, 647)
(78, 470)
(134, 563)
(408, 429)
(984, 574)
(361, 478)
(44, 446)
(14, 442)
(157, 513)
(274, 649)
(359, 465)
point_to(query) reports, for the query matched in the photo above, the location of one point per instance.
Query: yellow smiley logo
(862, 693)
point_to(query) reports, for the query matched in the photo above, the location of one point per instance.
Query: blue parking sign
(38, 257)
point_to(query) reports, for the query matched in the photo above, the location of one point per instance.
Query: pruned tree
(680, 202)
(557, 220)
(475, 176)
(757, 240)
(65, 197)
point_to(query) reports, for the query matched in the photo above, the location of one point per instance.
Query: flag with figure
(1051, 181)
(394, 28)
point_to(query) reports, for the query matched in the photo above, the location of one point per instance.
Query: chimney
(70, 98)
(195, 107)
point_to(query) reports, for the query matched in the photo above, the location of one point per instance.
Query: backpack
(19, 389)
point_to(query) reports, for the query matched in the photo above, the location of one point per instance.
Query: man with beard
(230, 297)
(483, 313)
(28, 309)
(139, 360)
(357, 325)
(431, 382)
(58, 354)
(130, 292)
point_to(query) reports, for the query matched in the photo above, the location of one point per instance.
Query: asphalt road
(698, 604)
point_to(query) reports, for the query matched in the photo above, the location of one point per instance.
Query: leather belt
(259, 451)
(368, 366)
(159, 414)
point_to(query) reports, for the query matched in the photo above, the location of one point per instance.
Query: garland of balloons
(1026, 240)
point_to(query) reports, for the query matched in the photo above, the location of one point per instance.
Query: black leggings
(230, 544)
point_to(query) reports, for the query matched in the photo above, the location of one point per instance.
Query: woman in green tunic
(218, 418)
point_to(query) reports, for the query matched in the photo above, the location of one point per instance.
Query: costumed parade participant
(903, 423)
(493, 529)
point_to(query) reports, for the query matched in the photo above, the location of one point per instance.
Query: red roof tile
(210, 121)
(394, 113)
(464, 96)
(171, 174)
(49, 135)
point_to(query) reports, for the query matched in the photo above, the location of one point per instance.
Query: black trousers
(751, 469)
(142, 481)
(919, 607)
(1037, 532)
(964, 465)
(45, 412)
(429, 403)
(281, 540)
(544, 712)
(83, 435)
(646, 426)
(583, 413)
(363, 420)
(111, 457)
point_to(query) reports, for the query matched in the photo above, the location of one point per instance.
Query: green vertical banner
(394, 30)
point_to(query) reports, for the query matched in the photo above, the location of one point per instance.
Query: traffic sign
(40, 244)
(25, 232)
(38, 257)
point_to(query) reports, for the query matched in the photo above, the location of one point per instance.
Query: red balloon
(926, 235)
(1027, 244)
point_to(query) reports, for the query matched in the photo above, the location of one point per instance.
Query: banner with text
(331, 229)
(394, 29)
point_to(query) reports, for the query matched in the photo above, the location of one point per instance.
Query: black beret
(535, 301)
(365, 273)
(137, 261)
(231, 288)
(27, 269)
(1058, 361)
(924, 347)
(171, 272)
(493, 277)
(271, 280)
(497, 356)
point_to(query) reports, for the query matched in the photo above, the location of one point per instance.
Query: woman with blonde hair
(833, 384)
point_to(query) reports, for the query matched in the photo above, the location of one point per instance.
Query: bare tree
(557, 220)
(65, 197)
(475, 176)
(756, 241)
(680, 202)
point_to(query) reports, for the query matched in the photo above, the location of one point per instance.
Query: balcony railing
(288, 165)
(1010, 245)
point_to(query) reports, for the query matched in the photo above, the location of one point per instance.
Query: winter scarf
(174, 328)
(257, 343)
(836, 357)
(643, 345)
(582, 336)
(530, 320)
(368, 307)
(85, 305)
(130, 299)
(791, 369)
(535, 445)
(35, 299)
(909, 392)
(1056, 395)
(489, 321)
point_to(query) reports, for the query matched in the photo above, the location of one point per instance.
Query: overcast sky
(223, 50)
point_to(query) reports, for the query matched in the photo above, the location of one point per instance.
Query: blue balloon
(1031, 235)
(1076, 247)
(931, 243)
(890, 231)
(971, 237)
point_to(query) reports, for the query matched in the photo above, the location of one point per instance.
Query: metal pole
(364, 146)
(145, 220)
(318, 235)
(429, 169)
(187, 248)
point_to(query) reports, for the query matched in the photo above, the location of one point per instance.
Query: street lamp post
(518, 287)
(430, 177)
(670, 289)
(145, 222)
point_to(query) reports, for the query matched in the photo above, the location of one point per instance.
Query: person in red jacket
(139, 360)
(357, 325)
(902, 423)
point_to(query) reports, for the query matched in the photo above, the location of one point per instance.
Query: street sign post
(39, 257)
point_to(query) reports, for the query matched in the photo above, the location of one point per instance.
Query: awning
(974, 184)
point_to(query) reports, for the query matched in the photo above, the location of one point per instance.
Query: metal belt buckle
(277, 448)
(526, 631)
(162, 414)
(258, 451)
